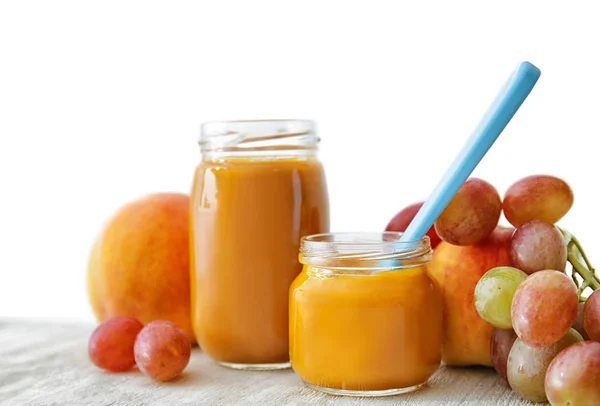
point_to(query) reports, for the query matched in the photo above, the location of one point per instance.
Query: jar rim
(260, 120)
(295, 137)
(363, 250)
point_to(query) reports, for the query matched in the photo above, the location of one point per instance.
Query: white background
(100, 103)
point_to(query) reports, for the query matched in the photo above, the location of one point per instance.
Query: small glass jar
(257, 191)
(365, 319)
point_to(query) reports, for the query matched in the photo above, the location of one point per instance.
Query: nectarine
(456, 270)
(139, 265)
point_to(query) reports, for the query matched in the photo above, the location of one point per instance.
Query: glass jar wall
(257, 191)
(365, 319)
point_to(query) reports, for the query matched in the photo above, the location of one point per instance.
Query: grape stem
(581, 265)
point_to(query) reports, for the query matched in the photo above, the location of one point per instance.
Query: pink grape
(527, 365)
(573, 377)
(502, 342)
(471, 215)
(162, 350)
(401, 221)
(578, 323)
(544, 308)
(111, 344)
(538, 197)
(538, 245)
(591, 316)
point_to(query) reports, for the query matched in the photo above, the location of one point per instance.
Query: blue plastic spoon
(511, 96)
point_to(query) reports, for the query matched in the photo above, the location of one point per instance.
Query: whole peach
(456, 270)
(139, 265)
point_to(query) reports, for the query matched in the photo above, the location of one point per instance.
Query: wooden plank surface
(47, 364)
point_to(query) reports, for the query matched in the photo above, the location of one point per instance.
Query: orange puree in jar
(361, 322)
(247, 217)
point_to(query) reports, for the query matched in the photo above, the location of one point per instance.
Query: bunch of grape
(539, 310)
(161, 349)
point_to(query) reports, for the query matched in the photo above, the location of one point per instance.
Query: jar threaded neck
(363, 251)
(256, 138)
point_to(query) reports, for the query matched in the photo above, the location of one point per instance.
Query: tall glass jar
(257, 191)
(365, 319)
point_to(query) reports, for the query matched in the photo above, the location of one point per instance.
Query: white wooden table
(43, 363)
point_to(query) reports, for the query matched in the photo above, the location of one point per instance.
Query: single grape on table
(494, 295)
(111, 344)
(591, 316)
(527, 365)
(544, 308)
(471, 215)
(538, 197)
(162, 350)
(501, 344)
(537, 245)
(573, 377)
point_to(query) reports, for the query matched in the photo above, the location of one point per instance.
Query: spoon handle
(511, 96)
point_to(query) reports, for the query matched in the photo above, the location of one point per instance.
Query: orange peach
(456, 270)
(139, 266)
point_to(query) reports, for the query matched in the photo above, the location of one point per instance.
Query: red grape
(111, 344)
(573, 377)
(471, 215)
(591, 316)
(578, 323)
(537, 197)
(162, 350)
(401, 221)
(544, 308)
(502, 342)
(538, 245)
(527, 365)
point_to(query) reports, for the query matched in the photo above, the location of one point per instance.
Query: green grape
(494, 295)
